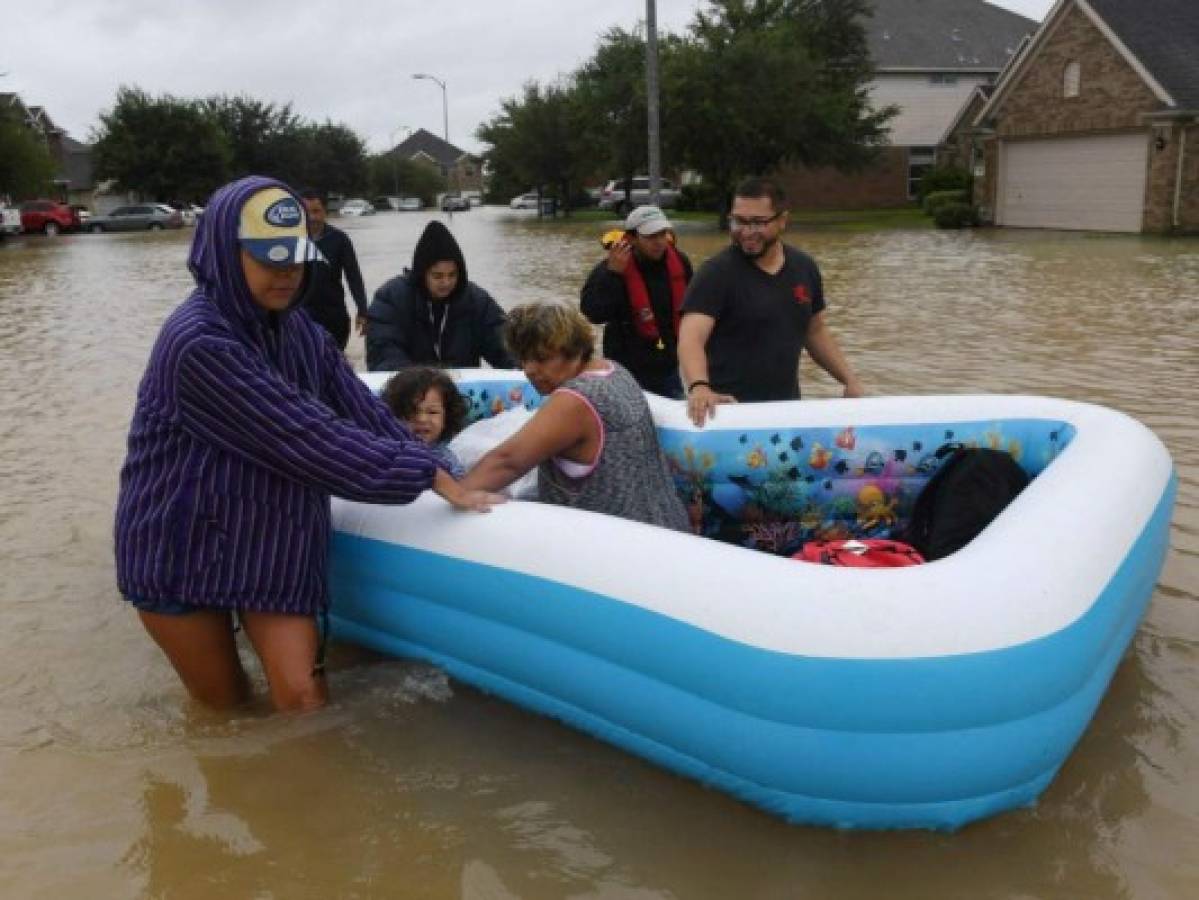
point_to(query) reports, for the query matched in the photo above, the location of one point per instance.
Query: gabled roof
(1164, 36)
(982, 93)
(430, 145)
(943, 35)
(1161, 45)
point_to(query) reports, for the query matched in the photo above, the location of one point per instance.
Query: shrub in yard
(935, 200)
(955, 215)
(944, 178)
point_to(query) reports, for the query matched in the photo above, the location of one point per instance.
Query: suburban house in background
(73, 181)
(1094, 125)
(930, 57)
(461, 170)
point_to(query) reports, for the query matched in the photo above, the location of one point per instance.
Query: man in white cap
(637, 294)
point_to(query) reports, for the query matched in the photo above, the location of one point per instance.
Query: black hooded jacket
(405, 326)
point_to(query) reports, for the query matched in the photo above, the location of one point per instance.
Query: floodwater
(411, 785)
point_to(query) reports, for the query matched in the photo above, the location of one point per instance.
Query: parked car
(142, 217)
(10, 221)
(48, 217)
(82, 213)
(613, 194)
(386, 204)
(191, 213)
(356, 206)
(454, 203)
(524, 201)
(411, 204)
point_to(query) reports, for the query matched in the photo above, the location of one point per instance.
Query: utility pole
(651, 96)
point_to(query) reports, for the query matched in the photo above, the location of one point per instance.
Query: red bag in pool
(865, 554)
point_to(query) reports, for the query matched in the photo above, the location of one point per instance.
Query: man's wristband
(696, 384)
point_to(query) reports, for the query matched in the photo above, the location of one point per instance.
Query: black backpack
(970, 489)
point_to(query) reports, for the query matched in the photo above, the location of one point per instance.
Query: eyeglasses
(736, 223)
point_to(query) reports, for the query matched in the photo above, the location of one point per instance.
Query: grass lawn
(831, 220)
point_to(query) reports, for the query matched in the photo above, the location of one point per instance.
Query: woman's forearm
(495, 471)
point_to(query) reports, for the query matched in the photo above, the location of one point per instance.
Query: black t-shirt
(761, 322)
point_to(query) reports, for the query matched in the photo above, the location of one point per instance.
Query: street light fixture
(445, 107)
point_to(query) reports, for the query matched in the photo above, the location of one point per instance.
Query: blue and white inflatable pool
(922, 697)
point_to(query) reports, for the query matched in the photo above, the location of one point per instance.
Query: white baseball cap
(647, 220)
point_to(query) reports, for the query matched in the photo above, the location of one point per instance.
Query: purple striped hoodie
(246, 422)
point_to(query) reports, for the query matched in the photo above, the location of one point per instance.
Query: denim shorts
(163, 607)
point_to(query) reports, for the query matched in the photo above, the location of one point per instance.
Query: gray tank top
(631, 478)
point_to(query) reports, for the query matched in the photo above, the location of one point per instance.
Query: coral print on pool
(776, 490)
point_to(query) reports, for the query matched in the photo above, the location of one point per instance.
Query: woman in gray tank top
(593, 441)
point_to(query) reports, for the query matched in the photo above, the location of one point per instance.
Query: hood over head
(215, 257)
(436, 245)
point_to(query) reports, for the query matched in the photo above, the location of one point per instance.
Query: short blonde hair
(540, 330)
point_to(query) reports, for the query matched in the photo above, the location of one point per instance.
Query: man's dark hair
(313, 194)
(755, 187)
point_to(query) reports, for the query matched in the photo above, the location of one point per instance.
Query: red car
(48, 217)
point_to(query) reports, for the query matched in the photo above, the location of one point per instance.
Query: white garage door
(1087, 183)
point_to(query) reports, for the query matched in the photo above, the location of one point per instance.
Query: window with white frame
(1071, 79)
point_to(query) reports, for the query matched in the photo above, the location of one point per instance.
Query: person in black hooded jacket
(433, 315)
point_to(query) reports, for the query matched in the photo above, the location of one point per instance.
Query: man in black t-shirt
(325, 298)
(751, 309)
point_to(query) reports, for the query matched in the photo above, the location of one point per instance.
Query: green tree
(26, 168)
(163, 148)
(261, 136)
(328, 156)
(390, 176)
(760, 83)
(538, 139)
(612, 95)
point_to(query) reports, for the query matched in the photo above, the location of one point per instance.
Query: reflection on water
(412, 786)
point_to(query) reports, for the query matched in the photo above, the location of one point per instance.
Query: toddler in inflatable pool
(427, 401)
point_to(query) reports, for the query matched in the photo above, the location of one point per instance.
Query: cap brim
(655, 227)
(282, 251)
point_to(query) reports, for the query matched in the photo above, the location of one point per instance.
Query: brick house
(930, 57)
(1094, 125)
(461, 170)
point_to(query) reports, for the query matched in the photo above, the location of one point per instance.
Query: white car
(613, 194)
(357, 207)
(524, 201)
(410, 204)
(10, 221)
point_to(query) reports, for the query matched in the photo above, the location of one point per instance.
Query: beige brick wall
(1112, 97)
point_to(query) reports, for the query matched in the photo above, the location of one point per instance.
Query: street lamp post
(651, 91)
(445, 106)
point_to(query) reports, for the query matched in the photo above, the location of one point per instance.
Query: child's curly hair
(407, 388)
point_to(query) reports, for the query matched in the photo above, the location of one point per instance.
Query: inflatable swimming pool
(922, 697)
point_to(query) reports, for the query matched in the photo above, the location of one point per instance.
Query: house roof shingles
(1164, 36)
(944, 35)
(422, 141)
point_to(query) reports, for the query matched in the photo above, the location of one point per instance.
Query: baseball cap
(274, 230)
(647, 220)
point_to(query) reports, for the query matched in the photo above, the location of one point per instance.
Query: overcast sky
(350, 61)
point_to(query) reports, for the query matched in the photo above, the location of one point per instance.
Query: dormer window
(1071, 79)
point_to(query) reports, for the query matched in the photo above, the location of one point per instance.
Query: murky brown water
(111, 785)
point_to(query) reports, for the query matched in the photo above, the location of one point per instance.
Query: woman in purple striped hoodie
(248, 419)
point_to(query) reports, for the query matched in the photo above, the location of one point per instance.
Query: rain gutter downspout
(1182, 149)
